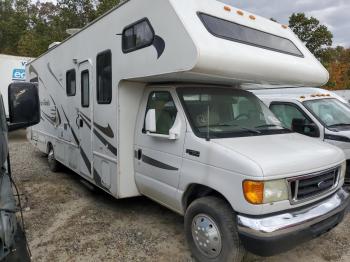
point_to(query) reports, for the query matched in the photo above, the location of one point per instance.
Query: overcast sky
(335, 14)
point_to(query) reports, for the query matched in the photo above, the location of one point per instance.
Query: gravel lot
(67, 221)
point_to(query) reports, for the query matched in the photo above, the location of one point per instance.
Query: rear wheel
(53, 163)
(211, 232)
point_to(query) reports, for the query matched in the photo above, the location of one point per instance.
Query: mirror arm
(160, 136)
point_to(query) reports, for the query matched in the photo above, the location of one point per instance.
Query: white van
(314, 112)
(147, 100)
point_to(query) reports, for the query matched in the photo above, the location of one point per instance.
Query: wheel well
(49, 146)
(196, 191)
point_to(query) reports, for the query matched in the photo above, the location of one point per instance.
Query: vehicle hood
(285, 155)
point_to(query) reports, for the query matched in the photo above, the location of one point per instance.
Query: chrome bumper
(295, 220)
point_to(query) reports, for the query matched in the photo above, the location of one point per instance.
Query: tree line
(28, 28)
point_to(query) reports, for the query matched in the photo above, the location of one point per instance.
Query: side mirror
(150, 124)
(300, 126)
(24, 105)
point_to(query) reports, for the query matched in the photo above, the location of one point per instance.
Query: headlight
(342, 170)
(263, 192)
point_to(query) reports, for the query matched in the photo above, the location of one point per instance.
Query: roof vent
(72, 31)
(53, 44)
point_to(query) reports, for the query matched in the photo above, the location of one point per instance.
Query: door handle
(81, 122)
(139, 154)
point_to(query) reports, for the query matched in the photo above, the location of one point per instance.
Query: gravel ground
(67, 221)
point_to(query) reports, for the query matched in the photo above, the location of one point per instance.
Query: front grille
(311, 186)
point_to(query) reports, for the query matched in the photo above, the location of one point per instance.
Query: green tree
(316, 36)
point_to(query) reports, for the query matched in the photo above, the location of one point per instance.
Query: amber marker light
(227, 8)
(252, 17)
(284, 26)
(240, 12)
(253, 192)
(302, 97)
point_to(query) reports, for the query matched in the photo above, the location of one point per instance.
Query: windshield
(331, 112)
(223, 112)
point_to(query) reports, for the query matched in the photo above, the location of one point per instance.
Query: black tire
(221, 213)
(54, 165)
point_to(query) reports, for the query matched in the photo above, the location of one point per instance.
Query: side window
(293, 118)
(85, 89)
(286, 113)
(70, 83)
(165, 108)
(104, 77)
(137, 36)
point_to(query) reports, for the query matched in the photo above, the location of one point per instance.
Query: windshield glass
(223, 112)
(331, 112)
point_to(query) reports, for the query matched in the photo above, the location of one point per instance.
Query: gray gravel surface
(67, 221)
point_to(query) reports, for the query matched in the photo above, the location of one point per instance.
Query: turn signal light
(252, 17)
(253, 192)
(227, 8)
(240, 12)
(284, 26)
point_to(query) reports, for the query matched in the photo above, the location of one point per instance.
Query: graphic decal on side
(159, 45)
(109, 146)
(156, 163)
(105, 130)
(54, 76)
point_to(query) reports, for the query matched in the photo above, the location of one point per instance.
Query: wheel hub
(206, 235)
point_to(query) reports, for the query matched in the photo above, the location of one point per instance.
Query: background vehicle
(12, 69)
(156, 108)
(313, 112)
(24, 112)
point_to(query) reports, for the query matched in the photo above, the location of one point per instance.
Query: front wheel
(211, 231)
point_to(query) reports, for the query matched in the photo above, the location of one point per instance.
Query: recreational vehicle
(12, 69)
(314, 112)
(147, 100)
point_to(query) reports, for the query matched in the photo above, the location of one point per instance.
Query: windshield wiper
(340, 124)
(240, 127)
(269, 125)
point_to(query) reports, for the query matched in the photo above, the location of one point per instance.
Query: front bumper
(266, 236)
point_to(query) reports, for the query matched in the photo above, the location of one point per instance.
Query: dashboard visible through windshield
(226, 112)
(331, 112)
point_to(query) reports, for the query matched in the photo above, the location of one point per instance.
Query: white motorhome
(12, 69)
(314, 112)
(147, 100)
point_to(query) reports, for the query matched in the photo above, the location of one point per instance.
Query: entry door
(84, 119)
(158, 160)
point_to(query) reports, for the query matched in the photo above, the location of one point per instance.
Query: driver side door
(158, 159)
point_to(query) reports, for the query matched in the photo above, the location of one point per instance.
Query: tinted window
(70, 83)
(137, 36)
(85, 89)
(104, 78)
(243, 34)
(166, 111)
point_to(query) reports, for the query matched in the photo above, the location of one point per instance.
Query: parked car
(313, 112)
(23, 112)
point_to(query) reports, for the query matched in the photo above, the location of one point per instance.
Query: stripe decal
(105, 130)
(109, 146)
(156, 163)
(71, 129)
(54, 76)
